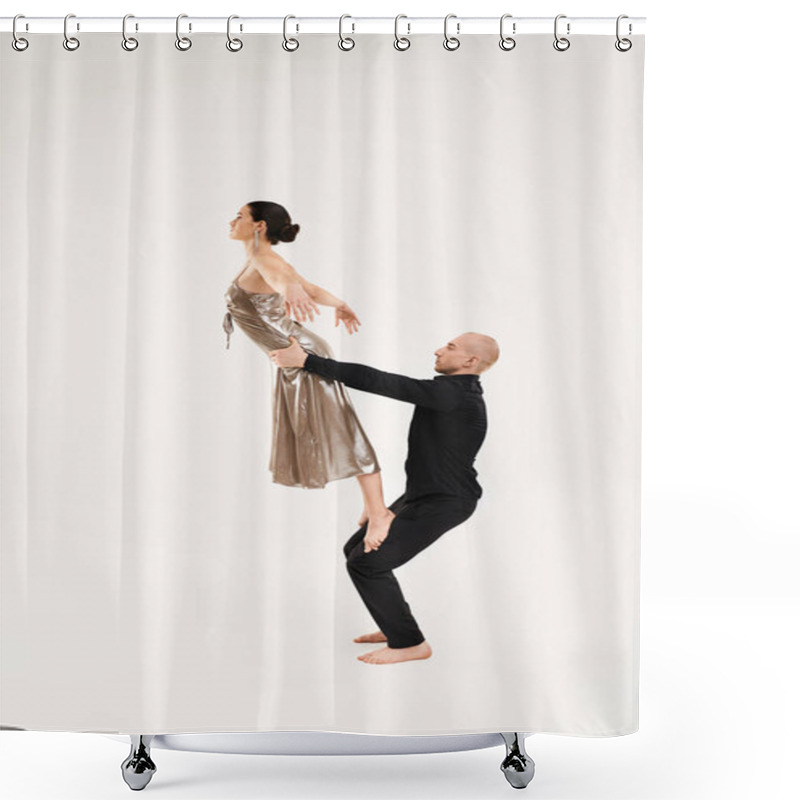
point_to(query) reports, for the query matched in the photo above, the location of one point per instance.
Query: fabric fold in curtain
(154, 577)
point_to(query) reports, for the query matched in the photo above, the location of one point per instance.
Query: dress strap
(227, 326)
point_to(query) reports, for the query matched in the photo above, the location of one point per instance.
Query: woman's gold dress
(316, 435)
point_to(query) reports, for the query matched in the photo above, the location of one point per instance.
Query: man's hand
(292, 356)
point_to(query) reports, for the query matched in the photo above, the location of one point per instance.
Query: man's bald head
(484, 347)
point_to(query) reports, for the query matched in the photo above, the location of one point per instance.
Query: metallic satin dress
(316, 435)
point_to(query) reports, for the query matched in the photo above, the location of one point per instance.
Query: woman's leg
(375, 510)
(372, 489)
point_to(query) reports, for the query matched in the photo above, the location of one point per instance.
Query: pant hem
(400, 646)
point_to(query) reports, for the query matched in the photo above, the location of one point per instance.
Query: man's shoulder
(465, 382)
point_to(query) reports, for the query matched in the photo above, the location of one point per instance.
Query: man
(447, 430)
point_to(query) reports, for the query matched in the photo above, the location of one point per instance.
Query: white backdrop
(437, 192)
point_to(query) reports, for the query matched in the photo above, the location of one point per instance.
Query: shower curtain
(157, 577)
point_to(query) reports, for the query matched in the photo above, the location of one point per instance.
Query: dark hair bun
(279, 225)
(289, 232)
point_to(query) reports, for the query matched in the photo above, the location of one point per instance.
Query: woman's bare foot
(378, 528)
(371, 637)
(363, 518)
(393, 655)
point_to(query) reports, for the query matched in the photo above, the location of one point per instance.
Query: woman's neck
(264, 249)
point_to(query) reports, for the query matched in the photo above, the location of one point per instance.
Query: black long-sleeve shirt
(447, 428)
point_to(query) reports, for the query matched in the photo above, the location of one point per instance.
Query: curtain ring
(398, 38)
(561, 43)
(623, 45)
(69, 41)
(451, 40)
(285, 42)
(182, 42)
(234, 45)
(17, 41)
(507, 42)
(343, 39)
(128, 42)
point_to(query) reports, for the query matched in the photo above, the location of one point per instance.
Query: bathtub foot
(517, 766)
(138, 768)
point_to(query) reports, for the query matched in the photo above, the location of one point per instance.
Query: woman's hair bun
(289, 232)
(279, 225)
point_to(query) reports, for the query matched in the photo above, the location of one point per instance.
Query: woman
(316, 435)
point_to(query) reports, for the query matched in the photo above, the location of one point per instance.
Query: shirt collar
(470, 381)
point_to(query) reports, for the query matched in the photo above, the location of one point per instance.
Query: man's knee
(365, 563)
(353, 541)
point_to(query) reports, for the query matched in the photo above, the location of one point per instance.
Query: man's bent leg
(372, 572)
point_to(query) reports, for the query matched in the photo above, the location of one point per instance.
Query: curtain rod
(301, 25)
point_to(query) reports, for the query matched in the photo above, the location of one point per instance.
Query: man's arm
(433, 394)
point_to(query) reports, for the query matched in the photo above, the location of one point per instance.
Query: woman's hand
(298, 302)
(348, 317)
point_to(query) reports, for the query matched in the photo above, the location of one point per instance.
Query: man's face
(451, 357)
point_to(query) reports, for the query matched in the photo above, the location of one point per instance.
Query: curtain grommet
(289, 48)
(19, 43)
(507, 42)
(342, 39)
(233, 44)
(183, 43)
(128, 43)
(70, 42)
(561, 43)
(451, 42)
(623, 44)
(397, 37)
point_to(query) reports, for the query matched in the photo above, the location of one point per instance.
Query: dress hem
(296, 485)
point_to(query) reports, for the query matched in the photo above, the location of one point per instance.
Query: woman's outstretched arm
(302, 296)
(288, 281)
(320, 295)
(344, 313)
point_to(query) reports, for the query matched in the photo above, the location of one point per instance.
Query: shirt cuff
(310, 364)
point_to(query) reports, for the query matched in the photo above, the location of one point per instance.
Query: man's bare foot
(371, 637)
(378, 526)
(392, 655)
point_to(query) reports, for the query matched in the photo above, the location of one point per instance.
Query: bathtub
(138, 767)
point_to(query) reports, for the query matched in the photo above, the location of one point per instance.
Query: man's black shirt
(447, 428)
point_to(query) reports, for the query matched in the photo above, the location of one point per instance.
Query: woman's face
(242, 225)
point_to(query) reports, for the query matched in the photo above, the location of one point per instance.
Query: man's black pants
(416, 525)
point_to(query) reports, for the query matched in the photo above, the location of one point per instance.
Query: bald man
(447, 430)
